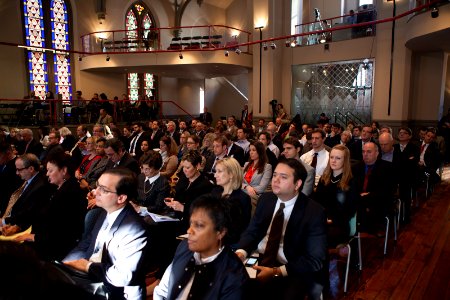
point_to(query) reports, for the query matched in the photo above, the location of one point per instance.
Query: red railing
(165, 39)
(25, 112)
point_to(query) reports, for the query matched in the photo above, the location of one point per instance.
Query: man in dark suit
(29, 144)
(234, 150)
(206, 117)
(429, 159)
(356, 148)
(406, 158)
(118, 157)
(375, 180)
(8, 177)
(244, 114)
(26, 202)
(79, 149)
(138, 136)
(172, 132)
(156, 134)
(113, 254)
(297, 266)
(220, 145)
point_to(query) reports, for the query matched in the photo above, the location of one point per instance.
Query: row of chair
(195, 42)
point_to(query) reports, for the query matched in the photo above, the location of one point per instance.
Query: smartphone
(251, 261)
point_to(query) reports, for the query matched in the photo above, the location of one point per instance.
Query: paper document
(161, 218)
(12, 237)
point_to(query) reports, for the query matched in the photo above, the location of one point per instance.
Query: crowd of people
(283, 192)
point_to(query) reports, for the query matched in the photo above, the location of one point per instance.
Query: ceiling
(219, 3)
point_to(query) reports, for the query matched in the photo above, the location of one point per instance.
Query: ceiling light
(108, 58)
(273, 45)
(322, 39)
(293, 43)
(238, 51)
(180, 55)
(226, 53)
(264, 45)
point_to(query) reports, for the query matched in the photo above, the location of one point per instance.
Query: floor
(417, 266)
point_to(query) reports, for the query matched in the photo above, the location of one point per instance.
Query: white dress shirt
(322, 161)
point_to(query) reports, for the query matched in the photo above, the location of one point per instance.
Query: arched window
(138, 21)
(46, 22)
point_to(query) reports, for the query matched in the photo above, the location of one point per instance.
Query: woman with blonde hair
(207, 147)
(89, 159)
(338, 194)
(229, 177)
(169, 150)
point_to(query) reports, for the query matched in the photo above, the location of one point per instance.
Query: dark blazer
(68, 142)
(405, 163)
(96, 170)
(10, 182)
(154, 143)
(305, 240)
(206, 118)
(31, 203)
(175, 136)
(77, 155)
(61, 225)
(356, 149)
(153, 199)
(128, 162)
(241, 211)
(145, 136)
(432, 157)
(122, 269)
(35, 147)
(237, 153)
(226, 275)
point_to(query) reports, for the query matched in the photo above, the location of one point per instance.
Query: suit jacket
(175, 136)
(432, 157)
(305, 239)
(153, 199)
(128, 162)
(154, 143)
(145, 136)
(34, 147)
(77, 155)
(308, 185)
(96, 170)
(10, 182)
(31, 203)
(123, 256)
(405, 162)
(259, 181)
(206, 118)
(356, 149)
(60, 227)
(237, 153)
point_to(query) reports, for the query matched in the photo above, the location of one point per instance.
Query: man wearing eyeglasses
(27, 201)
(113, 253)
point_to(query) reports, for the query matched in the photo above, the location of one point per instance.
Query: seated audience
(113, 254)
(89, 159)
(429, 159)
(89, 179)
(264, 138)
(229, 181)
(338, 194)
(294, 266)
(204, 267)
(207, 148)
(318, 156)
(257, 172)
(118, 157)
(58, 227)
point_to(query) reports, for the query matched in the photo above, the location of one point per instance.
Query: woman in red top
(88, 159)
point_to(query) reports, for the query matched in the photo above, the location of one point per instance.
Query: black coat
(153, 199)
(10, 182)
(237, 153)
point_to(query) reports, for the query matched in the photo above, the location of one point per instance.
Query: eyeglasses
(103, 189)
(20, 169)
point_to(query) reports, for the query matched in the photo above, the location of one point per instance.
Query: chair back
(352, 224)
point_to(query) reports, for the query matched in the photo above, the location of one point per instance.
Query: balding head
(27, 134)
(386, 142)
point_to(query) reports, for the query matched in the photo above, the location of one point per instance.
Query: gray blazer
(308, 185)
(259, 181)
(95, 171)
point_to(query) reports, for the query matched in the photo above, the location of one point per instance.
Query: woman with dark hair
(257, 171)
(204, 266)
(59, 227)
(191, 184)
(169, 150)
(337, 193)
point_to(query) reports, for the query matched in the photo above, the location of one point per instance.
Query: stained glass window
(38, 66)
(138, 21)
(37, 61)
(60, 40)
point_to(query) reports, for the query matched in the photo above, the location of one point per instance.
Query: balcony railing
(362, 16)
(183, 38)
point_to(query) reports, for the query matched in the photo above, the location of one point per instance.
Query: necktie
(314, 160)
(213, 169)
(99, 243)
(13, 199)
(422, 148)
(366, 178)
(273, 243)
(147, 186)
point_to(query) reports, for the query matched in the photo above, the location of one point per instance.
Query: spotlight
(180, 55)
(80, 58)
(273, 45)
(293, 43)
(326, 46)
(226, 53)
(238, 51)
(288, 43)
(108, 58)
(264, 45)
(323, 39)
(434, 12)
